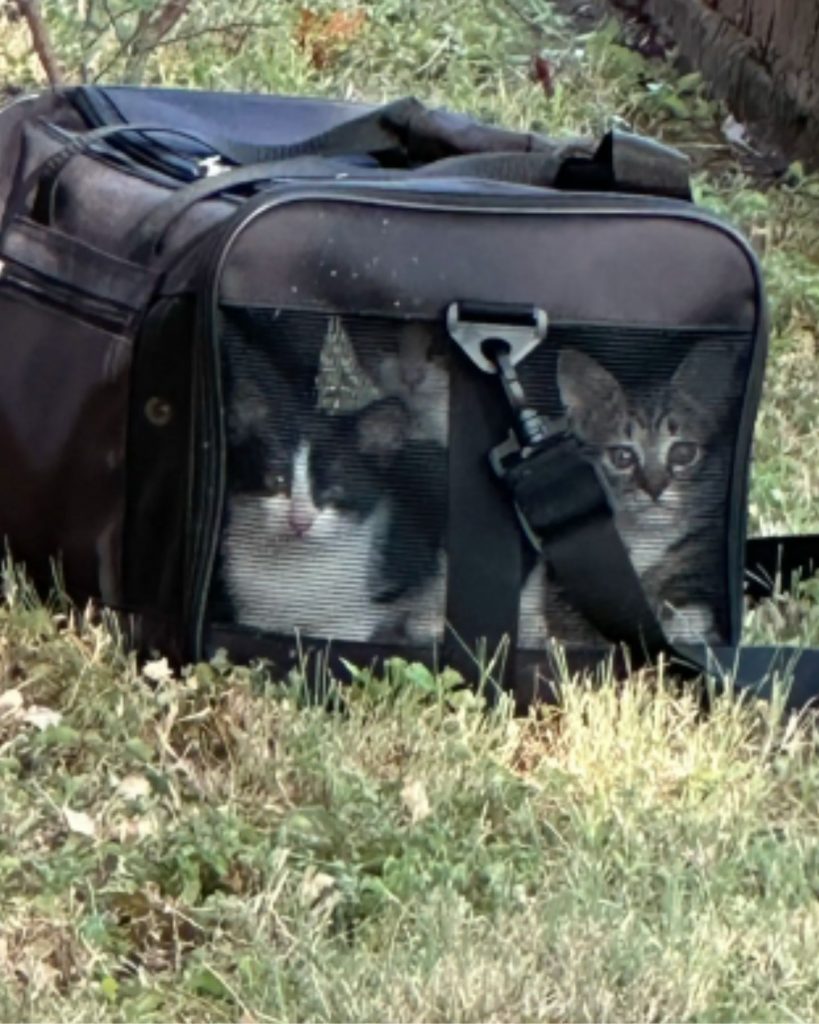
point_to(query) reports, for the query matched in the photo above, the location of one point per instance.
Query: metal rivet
(158, 412)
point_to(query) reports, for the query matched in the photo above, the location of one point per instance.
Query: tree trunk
(761, 56)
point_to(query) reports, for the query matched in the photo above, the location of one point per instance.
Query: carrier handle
(621, 163)
(46, 176)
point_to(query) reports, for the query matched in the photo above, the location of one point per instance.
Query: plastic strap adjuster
(554, 488)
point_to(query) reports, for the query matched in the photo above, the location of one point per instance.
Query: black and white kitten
(334, 523)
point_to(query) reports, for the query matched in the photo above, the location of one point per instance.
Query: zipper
(127, 159)
(429, 196)
(99, 111)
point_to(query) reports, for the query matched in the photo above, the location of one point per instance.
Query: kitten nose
(413, 375)
(300, 520)
(655, 485)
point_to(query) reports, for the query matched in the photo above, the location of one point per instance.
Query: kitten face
(408, 362)
(651, 450)
(319, 506)
(315, 477)
(660, 455)
(408, 367)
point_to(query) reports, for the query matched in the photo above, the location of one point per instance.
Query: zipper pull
(210, 166)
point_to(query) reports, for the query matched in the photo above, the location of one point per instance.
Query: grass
(211, 846)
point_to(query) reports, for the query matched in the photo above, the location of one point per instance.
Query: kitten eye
(622, 456)
(682, 454)
(276, 483)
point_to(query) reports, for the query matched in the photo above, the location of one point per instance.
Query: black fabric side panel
(769, 560)
(158, 439)
(534, 679)
(484, 541)
(538, 673)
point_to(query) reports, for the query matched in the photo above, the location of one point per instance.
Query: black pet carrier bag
(360, 382)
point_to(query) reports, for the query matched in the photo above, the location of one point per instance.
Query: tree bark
(41, 40)
(152, 28)
(761, 56)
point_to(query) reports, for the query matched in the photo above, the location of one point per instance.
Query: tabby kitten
(407, 366)
(660, 454)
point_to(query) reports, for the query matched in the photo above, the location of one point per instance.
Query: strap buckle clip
(552, 485)
(496, 339)
(475, 325)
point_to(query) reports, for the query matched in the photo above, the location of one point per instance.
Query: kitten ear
(383, 428)
(710, 372)
(585, 385)
(342, 383)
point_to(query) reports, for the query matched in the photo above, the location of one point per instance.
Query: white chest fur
(317, 584)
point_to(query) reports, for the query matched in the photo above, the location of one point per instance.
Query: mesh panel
(335, 517)
(337, 475)
(657, 411)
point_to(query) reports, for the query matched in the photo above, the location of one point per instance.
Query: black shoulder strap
(622, 162)
(484, 544)
(377, 131)
(557, 496)
(625, 162)
(760, 669)
(779, 562)
(592, 565)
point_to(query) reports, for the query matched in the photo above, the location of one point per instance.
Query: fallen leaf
(133, 787)
(109, 987)
(542, 72)
(735, 132)
(315, 886)
(41, 718)
(323, 36)
(416, 800)
(158, 671)
(80, 822)
(11, 701)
